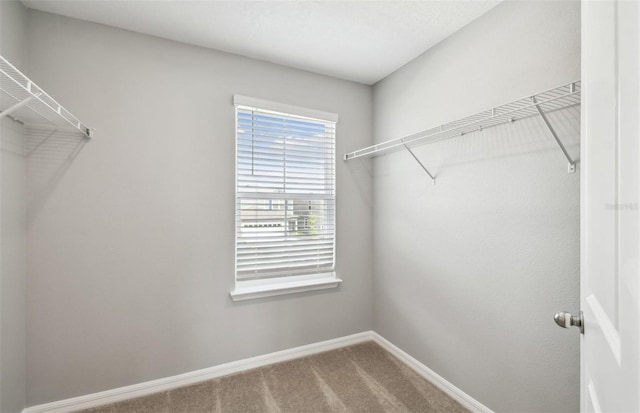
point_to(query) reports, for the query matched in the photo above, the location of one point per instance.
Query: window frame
(286, 284)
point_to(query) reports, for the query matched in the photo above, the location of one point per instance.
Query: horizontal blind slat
(291, 163)
(277, 237)
(248, 122)
(299, 161)
(264, 151)
(276, 155)
(319, 138)
(285, 244)
(249, 253)
(283, 258)
(289, 263)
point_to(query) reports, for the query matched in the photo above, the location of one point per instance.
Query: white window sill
(251, 290)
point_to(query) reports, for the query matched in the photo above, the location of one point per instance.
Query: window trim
(268, 287)
(273, 286)
(239, 100)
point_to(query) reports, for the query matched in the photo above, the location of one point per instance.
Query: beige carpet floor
(359, 378)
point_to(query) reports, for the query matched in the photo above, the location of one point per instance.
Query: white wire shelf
(552, 100)
(25, 102)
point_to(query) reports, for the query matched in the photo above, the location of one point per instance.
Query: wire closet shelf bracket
(25, 102)
(540, 104)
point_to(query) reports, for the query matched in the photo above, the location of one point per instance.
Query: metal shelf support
(571, 168)
(17, 106)
(433, 178)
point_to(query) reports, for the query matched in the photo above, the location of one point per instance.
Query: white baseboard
(169, 383)
(455, 393)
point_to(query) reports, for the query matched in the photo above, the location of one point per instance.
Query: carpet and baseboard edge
(169, 383)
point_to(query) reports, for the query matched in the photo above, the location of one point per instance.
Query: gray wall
(469, 272)
(13, 22)
(131, 235)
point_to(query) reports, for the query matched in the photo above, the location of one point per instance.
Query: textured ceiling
(363, 41)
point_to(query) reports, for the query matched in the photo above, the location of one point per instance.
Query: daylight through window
(285, 194)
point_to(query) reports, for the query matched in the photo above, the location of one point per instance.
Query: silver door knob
(565, 320)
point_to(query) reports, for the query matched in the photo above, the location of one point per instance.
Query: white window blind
(285, 194)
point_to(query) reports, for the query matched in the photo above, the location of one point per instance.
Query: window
(285, 199)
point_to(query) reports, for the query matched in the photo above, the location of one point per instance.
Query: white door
(610, 225)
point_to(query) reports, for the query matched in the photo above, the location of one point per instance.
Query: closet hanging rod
(551, 100)
(25, 102)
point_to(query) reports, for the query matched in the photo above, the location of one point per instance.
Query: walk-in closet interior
(453, 211)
